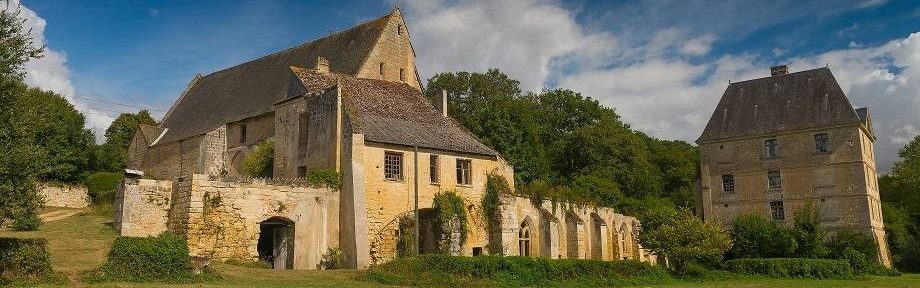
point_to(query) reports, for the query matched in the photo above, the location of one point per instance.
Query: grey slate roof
(801, 100)
(395, 113)
(250, 89)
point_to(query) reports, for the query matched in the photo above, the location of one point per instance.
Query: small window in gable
(399, 29)
(402, 75)
(381, 68)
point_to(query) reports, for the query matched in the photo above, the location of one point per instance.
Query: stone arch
(524, 237)
(574, 227)
(549, 235)
(276, 242)
(598, 236)
(624, 238)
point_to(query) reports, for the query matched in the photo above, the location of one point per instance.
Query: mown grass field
(79, 245)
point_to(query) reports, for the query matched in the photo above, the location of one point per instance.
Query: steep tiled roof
(250, 89)
(802, 100)
(395, 113)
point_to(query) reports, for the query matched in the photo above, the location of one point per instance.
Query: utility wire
(116, 103)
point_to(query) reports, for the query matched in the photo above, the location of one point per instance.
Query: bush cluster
(792, 268)
(162, 258)
(259, 163)
(325, 177)
(24, 258)
(26, 222)
(101, 186)
(332, 259)
(444, 270)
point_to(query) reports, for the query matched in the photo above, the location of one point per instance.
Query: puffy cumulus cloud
(50, 72)
(522, 37)
(659, 85)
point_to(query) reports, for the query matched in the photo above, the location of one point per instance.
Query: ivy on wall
(449, 208)
(496, 186)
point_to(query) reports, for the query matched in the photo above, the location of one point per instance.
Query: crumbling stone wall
(220, 217)
(69, 196)
(142, 206)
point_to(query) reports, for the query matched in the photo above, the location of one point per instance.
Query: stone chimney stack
(779, 70)
(444, 103)
(322, 65)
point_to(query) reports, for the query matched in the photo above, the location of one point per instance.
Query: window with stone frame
(728, 184)
(392, 166)
(771, 149)
(821, 143)
(774, 179)
(777, 212)
(381, 68)
(524, 240)
(242, 133)
(463, 172)
(434, 171)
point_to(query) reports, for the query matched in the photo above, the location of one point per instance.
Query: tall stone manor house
(777, 143)
(352, 102)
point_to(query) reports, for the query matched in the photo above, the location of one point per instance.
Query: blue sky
(661, 64)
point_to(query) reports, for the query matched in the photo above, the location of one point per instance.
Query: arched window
(524, 240)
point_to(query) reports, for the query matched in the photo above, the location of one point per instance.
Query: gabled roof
(250, 89)
(801, 100)
(150, 133)
(394, 113)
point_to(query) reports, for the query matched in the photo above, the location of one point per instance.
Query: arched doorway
(276, 242)
(623, 235)
(598, 230)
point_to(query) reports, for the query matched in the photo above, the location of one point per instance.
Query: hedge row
(443, 270)
(101, 186)
(792, 268)
(24, 258)
(147, 259)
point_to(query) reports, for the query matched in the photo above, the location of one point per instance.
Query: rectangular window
(728, 184)
(463, 172)
(777, 211)
(242, 133)
(402, 75)
(774, 179)
(821, 144)
(434, 170)
(392, 166)
(771, 149)
(381, 68)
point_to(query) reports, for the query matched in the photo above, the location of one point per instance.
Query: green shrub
(405, 244)
(332, 259)
(792, 268)
(162, 258)
(259, 163)
(24, 258)
(326, 177)
(101, 186)
(443, 270)
(753, 236)
(26, 222)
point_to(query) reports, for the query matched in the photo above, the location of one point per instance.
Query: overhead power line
(117, 103)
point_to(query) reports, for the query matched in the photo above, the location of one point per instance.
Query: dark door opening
(276, 243)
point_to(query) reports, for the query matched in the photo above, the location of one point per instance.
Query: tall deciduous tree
(59, 130)
(900, 193)
(113, 154)
(22, 158)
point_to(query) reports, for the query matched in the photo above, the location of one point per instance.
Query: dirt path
(58, 215)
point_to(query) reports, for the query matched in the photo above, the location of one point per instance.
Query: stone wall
(841, 183)
(221, 218)
(69, 196)
(395, 51)
(142, 207)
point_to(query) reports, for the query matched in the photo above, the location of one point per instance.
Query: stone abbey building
(349, 102)
(774, 144)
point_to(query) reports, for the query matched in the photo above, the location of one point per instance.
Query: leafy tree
(22, 157)
(753, 236)
(683, 239)
(807, 232)
(259, 163)
(901, 207)
(113, 154)
(57, 128)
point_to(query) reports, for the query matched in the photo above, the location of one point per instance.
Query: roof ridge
(768, 77)
(350, 29)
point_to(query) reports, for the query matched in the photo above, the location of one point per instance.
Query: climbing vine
(405, 243)
(448, 207)
(496, 186)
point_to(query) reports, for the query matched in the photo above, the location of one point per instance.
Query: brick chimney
(444, 103)
(322, 65)
(779, 70)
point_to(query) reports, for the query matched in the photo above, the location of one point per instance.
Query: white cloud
(650, 83)
(51, 72)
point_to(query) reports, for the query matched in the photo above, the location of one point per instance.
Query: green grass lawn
(79, 244)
